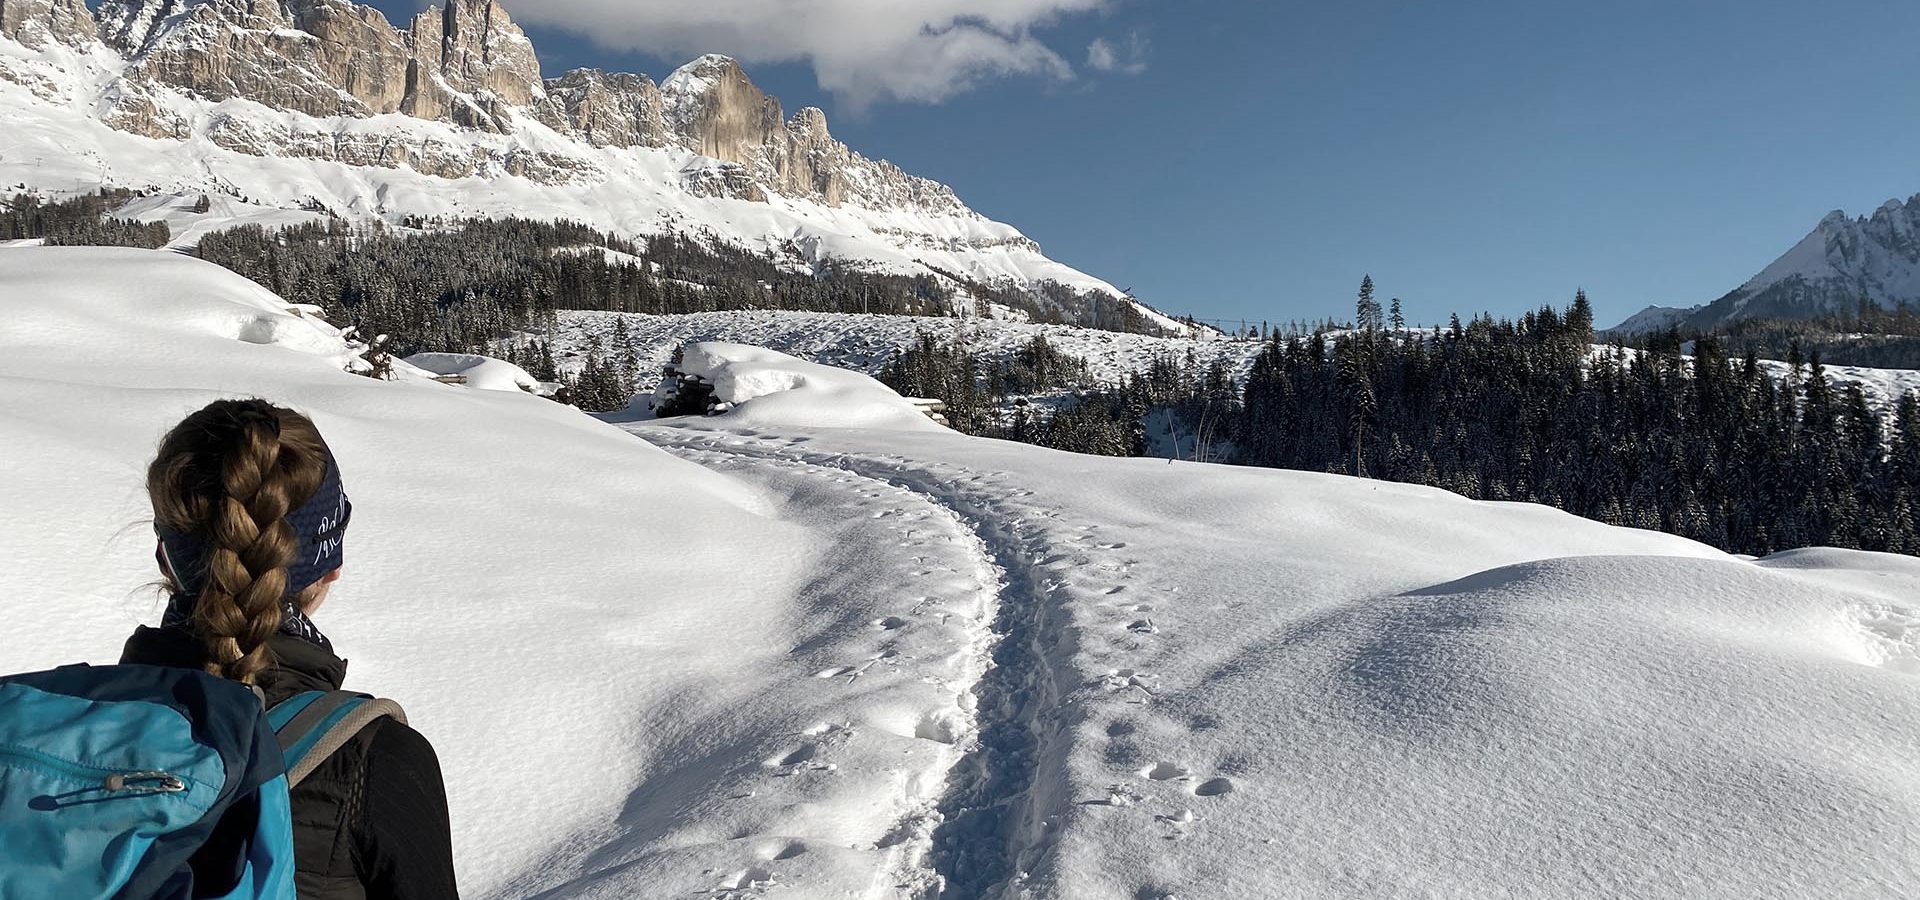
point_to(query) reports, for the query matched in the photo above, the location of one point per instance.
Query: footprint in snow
(1214, 787)
(790, 851)
(1166, 771)
(1123, 679)
(1117, 795)
(803, 760)
(752, 882)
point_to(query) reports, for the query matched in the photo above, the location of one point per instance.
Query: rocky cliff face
(466, 64)
(611, 110)
(714, 109)
(35, 23)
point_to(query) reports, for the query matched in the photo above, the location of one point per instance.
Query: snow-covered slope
(812, 661)
(1844, 260)
(274, 107)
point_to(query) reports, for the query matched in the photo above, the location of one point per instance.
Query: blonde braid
(232, 472)
(247, 566)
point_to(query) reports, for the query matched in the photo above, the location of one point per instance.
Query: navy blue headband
(319, 526)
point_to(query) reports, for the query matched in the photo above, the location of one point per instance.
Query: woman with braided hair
(250, 512)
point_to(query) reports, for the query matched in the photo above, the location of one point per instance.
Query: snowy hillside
(766, 654)
(1831, 270)
(275, 111)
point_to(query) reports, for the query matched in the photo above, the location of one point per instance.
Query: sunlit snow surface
(812, 661)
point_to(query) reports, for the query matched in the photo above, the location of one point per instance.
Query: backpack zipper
(111, 781)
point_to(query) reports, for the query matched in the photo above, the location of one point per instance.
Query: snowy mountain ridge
(326, 105)
(1844, 260)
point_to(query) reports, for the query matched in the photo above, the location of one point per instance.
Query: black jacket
(371, 822)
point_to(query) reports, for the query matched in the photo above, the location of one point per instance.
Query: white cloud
(862, 50)
(1130, 58)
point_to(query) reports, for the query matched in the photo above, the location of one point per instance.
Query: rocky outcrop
(35, 23)
(464, 63)
(610, 110)
(484, 53)
(715, 110)
(319, 57)
(127, 25)
(470, 65)
(718, 112)
(812, 163)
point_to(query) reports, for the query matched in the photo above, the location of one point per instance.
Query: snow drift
(481, 373)
(768, 389)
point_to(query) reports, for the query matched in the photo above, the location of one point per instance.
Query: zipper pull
(145, 782)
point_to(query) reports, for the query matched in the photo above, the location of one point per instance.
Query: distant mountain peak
(1843, 261)
(696, 76)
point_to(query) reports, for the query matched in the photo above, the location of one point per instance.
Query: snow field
(1214, 682)
(789, 660)
(481, 373)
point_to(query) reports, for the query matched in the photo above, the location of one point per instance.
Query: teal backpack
(151, 783)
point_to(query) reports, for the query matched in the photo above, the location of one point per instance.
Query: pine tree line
(1709, 448)
(608, 377)
(1869, 335)
(456, 287)
(995, 397)
(81, 221)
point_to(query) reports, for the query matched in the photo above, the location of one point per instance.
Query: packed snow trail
(1222, 683)
(983, 832)
(890, 633)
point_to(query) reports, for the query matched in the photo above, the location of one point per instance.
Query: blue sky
(1469, 155)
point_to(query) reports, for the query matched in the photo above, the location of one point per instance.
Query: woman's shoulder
(393, 747)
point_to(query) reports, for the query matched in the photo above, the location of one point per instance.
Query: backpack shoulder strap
(311, 726)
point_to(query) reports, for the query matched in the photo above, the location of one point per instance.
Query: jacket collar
(298, 666)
